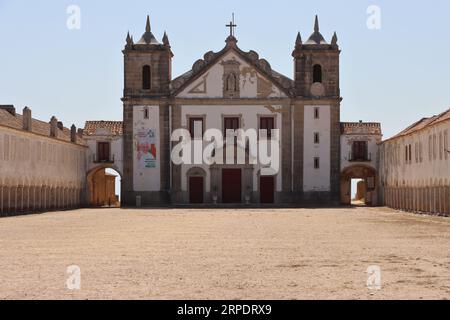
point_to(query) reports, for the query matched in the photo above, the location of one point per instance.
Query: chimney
(26, 119)
(53, 127)
(80, 132)
(60, 125)
(9, 108)
(73, 134)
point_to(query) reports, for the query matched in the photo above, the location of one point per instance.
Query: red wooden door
(267, 189)
(231, 186)
(196, 190)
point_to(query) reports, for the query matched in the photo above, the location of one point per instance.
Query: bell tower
(316, 65)
(147, 76)
(147, 65)
(317, 112)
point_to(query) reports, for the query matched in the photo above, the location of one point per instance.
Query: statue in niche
(230, 79)
(231, 83)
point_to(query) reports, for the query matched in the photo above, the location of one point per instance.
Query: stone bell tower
(147, 76)
(316, 65)
(147, 65)
(317, 111)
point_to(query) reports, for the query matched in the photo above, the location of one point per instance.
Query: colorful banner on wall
(146, 148)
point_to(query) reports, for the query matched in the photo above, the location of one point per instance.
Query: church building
(203, 138)
(231, 89)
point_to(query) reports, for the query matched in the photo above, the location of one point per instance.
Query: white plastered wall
(316, 179)
(31, 159)
(421, 171)
(214, 116)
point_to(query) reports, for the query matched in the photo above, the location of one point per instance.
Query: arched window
(317, 73)
(146, 77)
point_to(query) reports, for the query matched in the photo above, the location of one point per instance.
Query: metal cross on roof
(232, 25)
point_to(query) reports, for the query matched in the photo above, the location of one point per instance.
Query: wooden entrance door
(267, 189)
(231, 186)
(196, 190)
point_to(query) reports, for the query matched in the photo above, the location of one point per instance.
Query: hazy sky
(394, 75)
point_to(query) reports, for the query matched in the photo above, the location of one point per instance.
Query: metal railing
(365, 158)
(98, 159)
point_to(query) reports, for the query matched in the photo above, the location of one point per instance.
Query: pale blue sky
(395, 75)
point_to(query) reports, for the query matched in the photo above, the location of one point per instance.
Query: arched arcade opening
(104, 187)
(364, 183)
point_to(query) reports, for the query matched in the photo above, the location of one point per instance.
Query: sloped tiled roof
(7, 119)
(115, 127)
(423, 124)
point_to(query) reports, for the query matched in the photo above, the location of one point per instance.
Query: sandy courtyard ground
(225, 254)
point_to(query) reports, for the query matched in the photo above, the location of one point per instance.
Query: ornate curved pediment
(217, 71)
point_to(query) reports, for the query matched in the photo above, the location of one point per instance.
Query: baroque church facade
(231, 89)
(318, 155)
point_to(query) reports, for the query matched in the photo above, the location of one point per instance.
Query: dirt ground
(225, 254)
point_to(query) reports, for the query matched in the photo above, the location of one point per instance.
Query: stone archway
(368, 175)
(101, 187)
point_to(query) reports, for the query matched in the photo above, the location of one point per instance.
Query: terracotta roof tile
(422, 124)
(115, 127)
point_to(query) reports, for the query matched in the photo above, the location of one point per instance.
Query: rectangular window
(416, 152)
(316, 113)
(196, 125)
(406, 154)
(267, 123)
(434, 147)
(441, 145)
(410, 153)
(360, 151)
(6, 147)
(316, 163)
(420, 152)
(146, 116)
(230, 123)
(103, 151)
(430, 148)
(446, 149)
(316, 138)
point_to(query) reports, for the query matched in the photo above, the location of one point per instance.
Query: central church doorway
(267, 189)
(231, 186)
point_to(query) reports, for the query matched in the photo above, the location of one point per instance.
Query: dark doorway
(196, 190)
(231, 186)
(267, 189)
